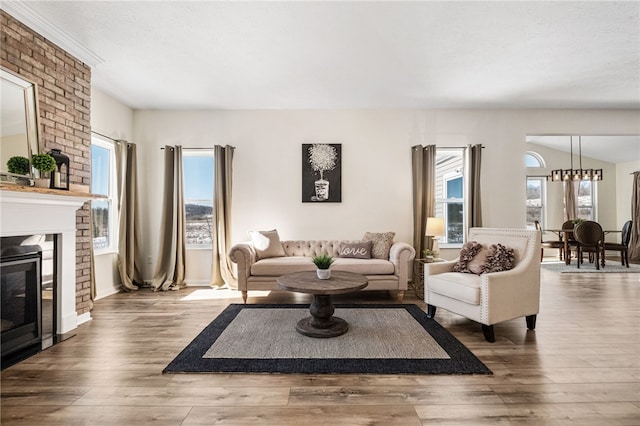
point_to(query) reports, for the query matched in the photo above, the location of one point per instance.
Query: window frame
(208, 152)
(111, 197)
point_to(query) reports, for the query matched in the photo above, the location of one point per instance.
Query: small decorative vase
(42, 182)
(429, 259)
(323, 274)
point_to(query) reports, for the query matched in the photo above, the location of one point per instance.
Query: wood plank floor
(580, 366)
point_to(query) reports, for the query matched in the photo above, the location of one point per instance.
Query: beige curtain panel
(634, 244)
(473, 160)
(423, 173)
(170, 268)
(570, 200)
(92, 262)
(129, 251)
(222, 274)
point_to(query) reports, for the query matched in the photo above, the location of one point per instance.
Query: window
(533, 159)
(586, 197)
(536, 190)
(535, 201)
(198, 197)
(450, 194)
(103, 183)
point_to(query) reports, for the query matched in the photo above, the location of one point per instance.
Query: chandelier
(572, 174)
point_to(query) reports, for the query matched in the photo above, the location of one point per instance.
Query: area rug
(586, 267)
(382, 339)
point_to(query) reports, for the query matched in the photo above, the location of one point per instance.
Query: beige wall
(376, 168)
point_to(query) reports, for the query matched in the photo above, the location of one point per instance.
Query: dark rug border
(191, 360)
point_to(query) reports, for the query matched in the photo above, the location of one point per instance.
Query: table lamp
(435, 229)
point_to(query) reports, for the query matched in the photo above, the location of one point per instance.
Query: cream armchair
(492, 297)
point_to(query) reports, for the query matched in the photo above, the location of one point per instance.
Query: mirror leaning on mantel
(18, 124)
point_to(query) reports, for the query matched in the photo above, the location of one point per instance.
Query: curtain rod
(452, 147)
(105, 136)
(210, 149)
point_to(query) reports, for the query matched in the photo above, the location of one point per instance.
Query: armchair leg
(531, 321)
(244, 296)
(489, 336)
(431, 311)
(400, 295)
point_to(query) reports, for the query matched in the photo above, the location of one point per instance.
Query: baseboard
(104, 294)
(86, 317)
(197, 283)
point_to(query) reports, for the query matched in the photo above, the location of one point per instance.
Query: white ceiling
(289, 55)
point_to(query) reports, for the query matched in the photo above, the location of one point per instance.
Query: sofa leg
(431, 311)
(244, 296)
(489, 336)
(531, 322)
(400, 295)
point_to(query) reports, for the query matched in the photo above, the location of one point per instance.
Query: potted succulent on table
(44, 164)
(323, 262)
(429, 255)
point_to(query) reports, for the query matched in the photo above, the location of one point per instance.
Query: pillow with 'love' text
(360, 250)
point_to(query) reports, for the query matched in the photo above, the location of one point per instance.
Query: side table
(418, 275)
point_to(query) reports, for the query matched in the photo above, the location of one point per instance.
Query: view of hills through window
(198, 197)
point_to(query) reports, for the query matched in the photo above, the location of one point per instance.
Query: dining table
(565, 234)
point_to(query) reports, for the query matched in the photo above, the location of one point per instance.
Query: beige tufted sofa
(383, 274)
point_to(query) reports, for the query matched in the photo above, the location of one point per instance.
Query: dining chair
(590, 238)
(623, 246)
(572, 244)
(549, 244)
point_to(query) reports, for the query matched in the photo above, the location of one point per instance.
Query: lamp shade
(435, 227)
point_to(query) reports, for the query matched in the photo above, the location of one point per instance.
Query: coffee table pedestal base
(338, 327)
(322, 323)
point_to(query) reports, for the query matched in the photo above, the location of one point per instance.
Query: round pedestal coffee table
(322, 323)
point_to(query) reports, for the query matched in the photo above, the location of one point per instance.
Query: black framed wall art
(321, 173)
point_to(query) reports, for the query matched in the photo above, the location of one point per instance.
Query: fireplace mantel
(28, 211)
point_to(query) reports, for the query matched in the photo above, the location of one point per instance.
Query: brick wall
(64, 101)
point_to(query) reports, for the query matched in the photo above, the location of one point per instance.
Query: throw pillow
(477, 264)
(267, 243)
(469, 250)
(499, 258)
(381, 243)
(360, 250)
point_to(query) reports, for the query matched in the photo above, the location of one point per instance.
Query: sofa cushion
(276, 266)
(363, 266)
(382, 242)
(266, 243)
(457, 285)
(360, 250)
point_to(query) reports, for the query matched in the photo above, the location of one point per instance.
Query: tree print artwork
(321, 174)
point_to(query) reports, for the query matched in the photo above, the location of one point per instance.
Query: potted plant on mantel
(323, 262)
(44, 164)
(18, 165)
